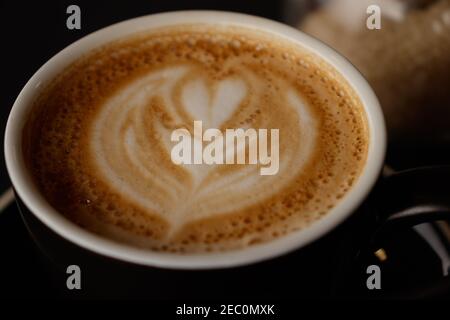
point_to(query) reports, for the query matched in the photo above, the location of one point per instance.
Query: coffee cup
(35, 205)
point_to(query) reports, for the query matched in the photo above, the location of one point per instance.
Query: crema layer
(98, 140)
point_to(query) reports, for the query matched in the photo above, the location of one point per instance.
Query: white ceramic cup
(31, 197)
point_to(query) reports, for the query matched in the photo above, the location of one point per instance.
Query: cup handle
(401, 199)
(413, 196)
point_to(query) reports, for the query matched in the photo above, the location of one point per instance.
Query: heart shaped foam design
(131, 140)
(215, 109)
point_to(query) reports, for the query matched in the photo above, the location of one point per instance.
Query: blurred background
(407, 62)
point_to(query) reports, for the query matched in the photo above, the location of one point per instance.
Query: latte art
(99, 142)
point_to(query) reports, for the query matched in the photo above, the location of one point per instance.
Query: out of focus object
(407, 61)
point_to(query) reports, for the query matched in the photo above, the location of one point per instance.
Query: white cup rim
(35, 202)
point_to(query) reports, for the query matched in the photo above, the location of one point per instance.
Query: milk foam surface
(98, 140)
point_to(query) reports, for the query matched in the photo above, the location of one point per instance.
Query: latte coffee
(98, 140)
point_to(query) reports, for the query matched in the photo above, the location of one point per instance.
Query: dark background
(32, 32)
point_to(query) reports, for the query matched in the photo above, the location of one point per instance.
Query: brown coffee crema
(98, 139)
